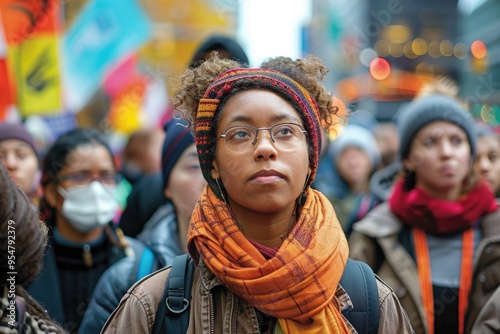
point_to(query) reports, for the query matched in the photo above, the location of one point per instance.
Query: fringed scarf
(298, 285)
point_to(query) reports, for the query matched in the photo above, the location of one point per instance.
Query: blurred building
(480, 77)
(383, 51)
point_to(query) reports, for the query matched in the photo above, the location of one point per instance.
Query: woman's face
(487, 163)
(354, 165)
(265, 178)
(440, 156)
(86, 162)
(21, 162)
(185, 182)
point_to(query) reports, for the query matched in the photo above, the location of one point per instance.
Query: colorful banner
(103, 33)
(21, 17)
(33, 58)
(5, 90)
(36, 68)
(6, 94)
(125, 110)
(120, 74)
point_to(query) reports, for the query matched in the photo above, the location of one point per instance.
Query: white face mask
(89, 207)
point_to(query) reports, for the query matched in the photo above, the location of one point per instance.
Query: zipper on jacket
(212, 313)
(236, 308)
(87, 256)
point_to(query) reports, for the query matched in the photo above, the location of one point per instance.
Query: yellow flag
(36, 67)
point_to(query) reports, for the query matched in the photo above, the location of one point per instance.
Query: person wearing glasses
(269, 251)
(165, 233)
(79, 179)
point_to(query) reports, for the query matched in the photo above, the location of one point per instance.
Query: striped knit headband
(224, 84)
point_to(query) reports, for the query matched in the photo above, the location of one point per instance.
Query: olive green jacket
(378, 233)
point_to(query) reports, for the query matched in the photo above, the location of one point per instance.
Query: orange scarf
(298, 284)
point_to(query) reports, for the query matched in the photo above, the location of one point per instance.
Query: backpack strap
(358, 281)
(173, 310)
(360, 284)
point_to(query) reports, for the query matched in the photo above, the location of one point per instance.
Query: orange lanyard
(425, 277)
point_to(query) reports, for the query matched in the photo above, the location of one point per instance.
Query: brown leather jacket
(215, 309)
(379, 231)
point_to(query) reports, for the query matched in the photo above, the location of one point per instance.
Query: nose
(264, 147)
(10, 161)
(484, 165)
(446, 148)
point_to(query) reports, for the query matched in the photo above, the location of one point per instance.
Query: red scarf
(417, 208)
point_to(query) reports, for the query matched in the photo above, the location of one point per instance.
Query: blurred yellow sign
(36, 67)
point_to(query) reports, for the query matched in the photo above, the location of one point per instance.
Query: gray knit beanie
(428, 109)
(356, 136)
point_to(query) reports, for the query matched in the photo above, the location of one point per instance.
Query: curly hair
(308, 71)
(23, 235)
(19, 218)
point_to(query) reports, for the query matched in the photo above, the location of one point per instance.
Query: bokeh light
(424, 68)
(380, 68)
(460, 50)
(396, 49)
(408, 51)
(478, 49)
(382, 47)
(419, 46)
(446, 48)
(434, 51)
(366, 56)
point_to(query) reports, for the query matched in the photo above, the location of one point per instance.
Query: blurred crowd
(416, 198)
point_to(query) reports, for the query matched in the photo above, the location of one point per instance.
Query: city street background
(110, 64)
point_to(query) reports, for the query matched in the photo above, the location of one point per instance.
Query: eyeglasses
(83, 179)
(285, 136)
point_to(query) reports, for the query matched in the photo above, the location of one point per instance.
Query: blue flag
(103, 33)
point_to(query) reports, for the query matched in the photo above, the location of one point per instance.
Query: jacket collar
(490, 224)
(379, 222)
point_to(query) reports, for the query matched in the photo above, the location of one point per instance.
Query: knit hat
(356, 136)
(19, 132)
(247, 78)
(219, 43)
(178, 137)
(428, 109)
(484, 130)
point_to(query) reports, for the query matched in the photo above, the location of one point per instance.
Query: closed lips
(267, 174)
